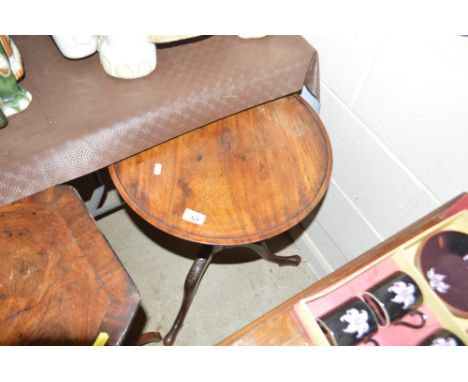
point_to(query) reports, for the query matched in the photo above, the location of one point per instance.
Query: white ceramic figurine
(122, 56)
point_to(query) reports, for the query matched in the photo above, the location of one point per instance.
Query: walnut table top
(60, 281)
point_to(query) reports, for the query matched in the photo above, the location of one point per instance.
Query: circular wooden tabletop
(239, 180)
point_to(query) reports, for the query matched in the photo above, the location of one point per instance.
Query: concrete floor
(237, 288)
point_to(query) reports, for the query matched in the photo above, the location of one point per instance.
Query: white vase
(248, 36)
(76, 46)
(127, 56)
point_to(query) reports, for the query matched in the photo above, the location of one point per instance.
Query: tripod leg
(192, 282)
(264, 252)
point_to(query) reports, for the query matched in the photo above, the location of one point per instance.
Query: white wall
(396, 110)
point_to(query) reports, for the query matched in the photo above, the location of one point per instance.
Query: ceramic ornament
(13, 98)
(126, 56)
(248, 36)
(161, 39)
(122, 56)
(76, 46)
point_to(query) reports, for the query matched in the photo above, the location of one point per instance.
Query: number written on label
(193, 216)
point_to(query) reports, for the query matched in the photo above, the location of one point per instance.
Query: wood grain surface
(60, 282)
(253, 175)
(279, 326)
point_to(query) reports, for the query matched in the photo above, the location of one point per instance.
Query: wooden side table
(237, 181)
(60, 282)
(278, 327)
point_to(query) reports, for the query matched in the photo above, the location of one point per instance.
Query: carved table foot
(264, 252)
(192, 282)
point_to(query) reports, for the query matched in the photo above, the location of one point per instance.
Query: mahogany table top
(241, 179)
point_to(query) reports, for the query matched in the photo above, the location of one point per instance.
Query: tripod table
(235, 182)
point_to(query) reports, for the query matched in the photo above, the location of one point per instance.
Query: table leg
(192, 281)
(264, 252)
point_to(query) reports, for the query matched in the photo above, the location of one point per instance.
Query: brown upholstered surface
(81, 119)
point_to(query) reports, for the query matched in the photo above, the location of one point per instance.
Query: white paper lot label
(193, 216)
(157, 169)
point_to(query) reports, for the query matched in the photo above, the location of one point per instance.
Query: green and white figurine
(13, 98)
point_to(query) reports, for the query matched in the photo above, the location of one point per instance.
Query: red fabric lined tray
(393, 335)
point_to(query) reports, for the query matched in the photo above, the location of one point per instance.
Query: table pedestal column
(198, 269)
(192, 282)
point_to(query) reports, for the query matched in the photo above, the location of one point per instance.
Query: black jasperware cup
(442, 337)
(349, 323)
(393, 298)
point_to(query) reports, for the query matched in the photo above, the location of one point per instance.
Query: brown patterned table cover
(81, 119)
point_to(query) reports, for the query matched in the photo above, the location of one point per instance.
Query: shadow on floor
(190, 249)
(86, 184)
(136, 327)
